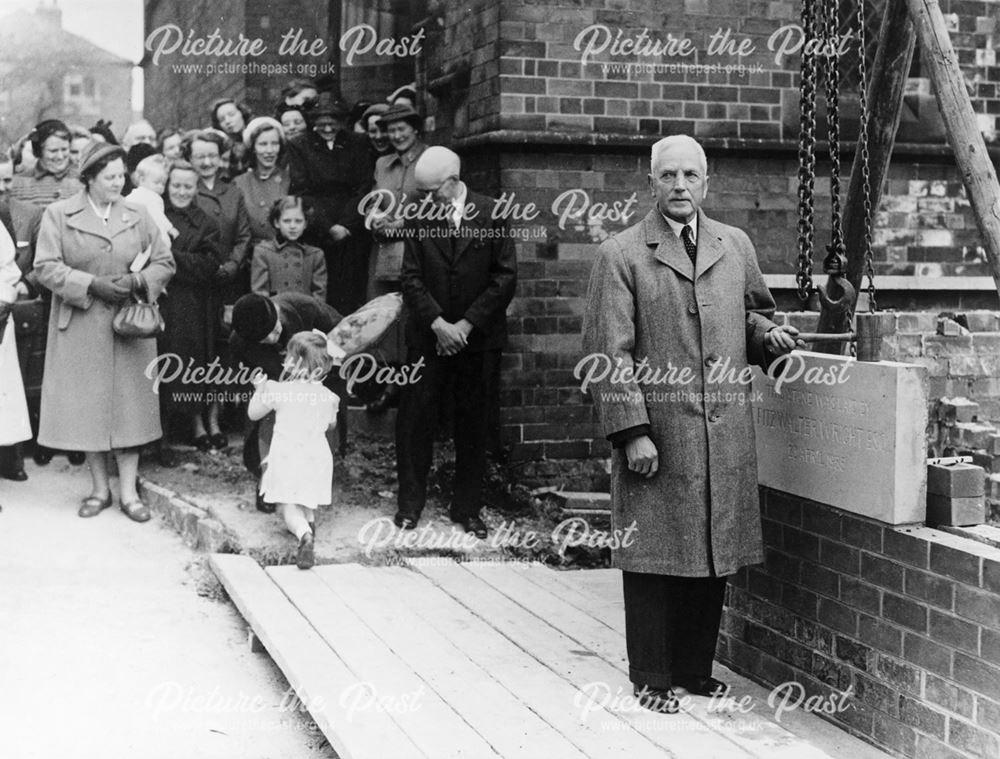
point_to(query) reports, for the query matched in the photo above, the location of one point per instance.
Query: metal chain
(836, 255)
(863, 143)
(807, 155)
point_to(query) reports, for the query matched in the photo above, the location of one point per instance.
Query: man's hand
(226, 272)
(339, 232)
(642, 456)
(110, 289)
(782, 339)
(451, 338)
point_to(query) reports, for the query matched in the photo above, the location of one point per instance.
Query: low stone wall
(907, 618)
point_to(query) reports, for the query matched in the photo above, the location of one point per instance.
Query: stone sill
(941, 153)
(896, 282)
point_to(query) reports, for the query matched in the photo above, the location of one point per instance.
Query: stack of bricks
(955, 493)
(904, 620)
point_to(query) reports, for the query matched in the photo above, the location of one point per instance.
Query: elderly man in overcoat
(683, 293)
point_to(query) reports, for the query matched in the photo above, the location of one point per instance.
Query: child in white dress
(298, 469)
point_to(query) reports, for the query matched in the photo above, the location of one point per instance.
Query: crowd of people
(244, 233)
(248, 234)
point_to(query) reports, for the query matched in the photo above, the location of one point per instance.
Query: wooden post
(885, 104)
(959, 118)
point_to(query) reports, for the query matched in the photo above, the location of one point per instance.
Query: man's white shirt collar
(677, 226)
(458, 206)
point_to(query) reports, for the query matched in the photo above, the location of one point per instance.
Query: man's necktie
(689, 244)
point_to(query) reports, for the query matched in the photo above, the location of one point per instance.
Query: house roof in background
(26, 36)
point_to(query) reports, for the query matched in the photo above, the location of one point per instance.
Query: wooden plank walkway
(474, 660)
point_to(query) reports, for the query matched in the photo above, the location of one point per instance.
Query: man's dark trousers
(416, 424)
(671, 626)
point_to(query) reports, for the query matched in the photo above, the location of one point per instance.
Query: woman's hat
(327, 106)
(43, 130)
(256, 126)
(401, 112)
(96, 150)
(254, 317)
(376, 109)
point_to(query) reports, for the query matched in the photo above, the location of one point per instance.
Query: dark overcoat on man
(470, 274)
(699, 515)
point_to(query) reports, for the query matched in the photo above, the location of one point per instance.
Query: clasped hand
(112, 289)
(451, 338)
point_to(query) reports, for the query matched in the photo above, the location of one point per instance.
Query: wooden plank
(753, 732)
(502, 720)
(383, 680)
(310, 666)
(599, 734)
(607, 612)
(681, 735)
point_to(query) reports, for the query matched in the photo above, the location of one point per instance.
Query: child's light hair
(147, 165)
(306, 357)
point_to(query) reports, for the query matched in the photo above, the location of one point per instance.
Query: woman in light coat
(14, 424)
(96, 395)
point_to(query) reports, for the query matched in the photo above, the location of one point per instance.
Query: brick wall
(176, 97)
(544, 85)
(505, 87)
(906, 618)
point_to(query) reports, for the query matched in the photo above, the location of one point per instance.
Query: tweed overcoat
(699, 514)
(95, 393)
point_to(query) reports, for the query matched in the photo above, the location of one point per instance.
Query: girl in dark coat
(191, 306)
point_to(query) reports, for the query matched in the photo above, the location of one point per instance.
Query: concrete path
(115, 641)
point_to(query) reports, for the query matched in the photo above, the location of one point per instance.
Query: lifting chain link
(807, 154)
(863, 144)
(836, 259)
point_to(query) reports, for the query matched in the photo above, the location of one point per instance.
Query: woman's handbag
(138, 318)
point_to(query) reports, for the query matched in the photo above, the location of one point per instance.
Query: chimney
(50, 14)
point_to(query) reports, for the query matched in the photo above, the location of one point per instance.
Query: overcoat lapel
(80, 216)
(480, 221)
(710, 248)
(668, 247)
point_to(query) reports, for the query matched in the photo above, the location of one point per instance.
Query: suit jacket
(646, 301)
(297, 313)
(472, 275)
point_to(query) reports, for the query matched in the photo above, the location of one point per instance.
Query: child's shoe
(306, 557)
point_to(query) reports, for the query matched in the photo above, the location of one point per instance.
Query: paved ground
(114, 642)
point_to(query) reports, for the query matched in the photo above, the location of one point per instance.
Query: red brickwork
(905, 618)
